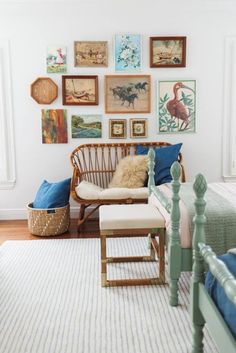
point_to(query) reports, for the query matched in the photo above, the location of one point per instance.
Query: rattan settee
(96, 164)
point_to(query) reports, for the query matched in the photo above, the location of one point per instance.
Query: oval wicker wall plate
(44, 90)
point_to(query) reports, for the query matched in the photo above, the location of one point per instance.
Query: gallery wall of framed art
(123, 88)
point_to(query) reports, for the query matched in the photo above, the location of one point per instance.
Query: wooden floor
(18, 230)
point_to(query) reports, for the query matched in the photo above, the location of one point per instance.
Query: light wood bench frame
(156, 249)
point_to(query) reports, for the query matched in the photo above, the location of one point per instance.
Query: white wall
(32, 27)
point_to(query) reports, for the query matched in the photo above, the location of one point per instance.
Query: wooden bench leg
(103, 260)
(152, 248)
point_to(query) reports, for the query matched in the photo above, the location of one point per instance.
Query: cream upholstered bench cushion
(130, 217)
(90, 191)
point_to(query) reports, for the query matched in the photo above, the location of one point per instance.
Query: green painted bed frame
(179, 259)
(203, 309)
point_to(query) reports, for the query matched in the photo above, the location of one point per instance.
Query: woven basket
(46, 222)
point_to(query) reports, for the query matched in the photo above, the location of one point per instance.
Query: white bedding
(226, 190)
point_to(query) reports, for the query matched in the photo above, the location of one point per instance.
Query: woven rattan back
(96, 163)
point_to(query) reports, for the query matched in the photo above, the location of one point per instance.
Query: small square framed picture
(167, 51)
(138, 128)
(117, 128)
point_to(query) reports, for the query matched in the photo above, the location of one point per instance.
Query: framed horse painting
(127, 94)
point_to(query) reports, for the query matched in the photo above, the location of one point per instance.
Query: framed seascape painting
(86, 126)
(127, 52)
(117, 128)
(127, 94)
(80, 90)
(177, 106)
(56, 60)
(167, 51)
(54, 126)
(138, 128)
(91, 54)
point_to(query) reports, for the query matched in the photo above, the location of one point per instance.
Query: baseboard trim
(21, 213)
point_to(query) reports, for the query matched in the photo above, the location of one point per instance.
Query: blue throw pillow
(52, 195)
(164, 158)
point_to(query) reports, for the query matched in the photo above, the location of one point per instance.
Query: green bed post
(200, 187)
(174, 248)
(151, 183)
(151, 172)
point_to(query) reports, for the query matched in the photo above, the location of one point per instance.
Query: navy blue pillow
(164, 158)
(52, 195)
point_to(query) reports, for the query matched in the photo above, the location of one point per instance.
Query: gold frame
(123, 122)
(144, 122)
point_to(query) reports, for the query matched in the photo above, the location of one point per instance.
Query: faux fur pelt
(131, 172)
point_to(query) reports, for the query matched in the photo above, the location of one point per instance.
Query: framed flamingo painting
(177, 106)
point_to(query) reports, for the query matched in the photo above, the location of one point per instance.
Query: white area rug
(51, 301)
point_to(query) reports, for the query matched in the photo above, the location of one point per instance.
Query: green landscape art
(86, 126)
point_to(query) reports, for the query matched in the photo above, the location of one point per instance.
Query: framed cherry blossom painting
(127, 52)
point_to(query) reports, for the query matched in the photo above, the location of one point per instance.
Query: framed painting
(127, 52)
(54, 126)
(91, 54)
(117, 128)
(127, 94)
(177, 106)
(80, 90)
(167, 51)
(86, 126)
(56, 60)
(138, 128)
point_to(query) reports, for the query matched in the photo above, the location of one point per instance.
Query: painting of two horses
(127, 94)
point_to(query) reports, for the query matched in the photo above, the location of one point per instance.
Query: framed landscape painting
(80, 90)
(138, 128)
(167, 51)
(56, 60)
(177, 106)
(117, 128)
(127, 94)
(91, 54)
(54, 126)
(128, 52)
(86, 126)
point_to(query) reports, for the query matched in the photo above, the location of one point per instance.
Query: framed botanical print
(127, 94)
(117, 128)
(91, 54)
(80, 90)
(127, 52)
(138, 128)
(167, 51)
(177, 106)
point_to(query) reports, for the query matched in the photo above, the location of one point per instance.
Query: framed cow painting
(127, 94)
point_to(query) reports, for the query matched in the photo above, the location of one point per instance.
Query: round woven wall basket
(48, 222)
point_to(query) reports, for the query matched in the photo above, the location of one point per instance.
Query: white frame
(7, 149)
(229, 115)
(114, 52)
